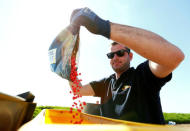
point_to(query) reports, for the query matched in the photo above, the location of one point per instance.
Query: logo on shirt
(126, 87)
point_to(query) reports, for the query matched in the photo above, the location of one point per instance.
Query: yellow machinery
(16, 113)
(63, 120)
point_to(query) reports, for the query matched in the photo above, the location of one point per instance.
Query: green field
(179, 118)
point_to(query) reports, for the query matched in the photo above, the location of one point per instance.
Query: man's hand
(91, 21)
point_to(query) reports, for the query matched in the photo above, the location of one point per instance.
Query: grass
(179, 118)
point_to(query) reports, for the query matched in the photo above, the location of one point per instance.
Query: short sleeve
(99, 87)
(148, 79)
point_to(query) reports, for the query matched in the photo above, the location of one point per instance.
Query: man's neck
(119, 74)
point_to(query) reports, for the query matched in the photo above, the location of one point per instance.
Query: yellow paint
(55, 120)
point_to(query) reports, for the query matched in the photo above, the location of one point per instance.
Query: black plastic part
(28, 96)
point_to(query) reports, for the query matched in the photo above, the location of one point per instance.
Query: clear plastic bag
(64, 53)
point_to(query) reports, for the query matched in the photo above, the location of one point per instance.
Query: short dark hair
(115, 43)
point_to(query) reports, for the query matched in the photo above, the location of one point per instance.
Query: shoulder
(103, 80)
(147, 79)
(100, 86)
(145, 70)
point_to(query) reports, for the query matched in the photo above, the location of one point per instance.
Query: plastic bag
(64, 53)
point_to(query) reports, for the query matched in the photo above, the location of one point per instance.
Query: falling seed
(78, 110)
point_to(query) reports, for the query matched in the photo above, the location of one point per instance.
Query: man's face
(120, 63)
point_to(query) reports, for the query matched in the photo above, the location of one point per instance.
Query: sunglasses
(119, 53)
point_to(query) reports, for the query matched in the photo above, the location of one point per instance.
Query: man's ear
(130, 56)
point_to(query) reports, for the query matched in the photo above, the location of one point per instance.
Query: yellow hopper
(63, 120)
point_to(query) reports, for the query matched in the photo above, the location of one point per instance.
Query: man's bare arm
(164, 57)
(85, 90)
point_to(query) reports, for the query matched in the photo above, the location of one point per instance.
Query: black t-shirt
(135, 96)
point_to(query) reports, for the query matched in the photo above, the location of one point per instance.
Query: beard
(121, 68)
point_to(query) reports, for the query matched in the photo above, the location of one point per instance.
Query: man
(130, 94)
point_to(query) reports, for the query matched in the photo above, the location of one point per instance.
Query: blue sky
(27, 28)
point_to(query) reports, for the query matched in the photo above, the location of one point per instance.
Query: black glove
(91, 21)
